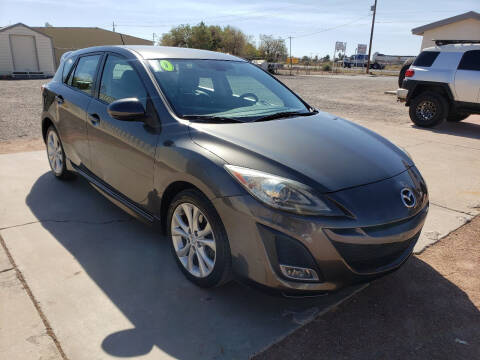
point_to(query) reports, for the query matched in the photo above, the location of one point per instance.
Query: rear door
(467, 78)
(73, 98)
(122, 152)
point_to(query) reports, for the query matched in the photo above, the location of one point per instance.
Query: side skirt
(116, 197)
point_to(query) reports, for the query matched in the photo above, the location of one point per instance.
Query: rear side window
(66, 68)
(120, 80)
(470, 61)
(426, 58)
(85, 73)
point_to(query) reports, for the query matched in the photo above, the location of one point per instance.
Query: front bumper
(343, 250)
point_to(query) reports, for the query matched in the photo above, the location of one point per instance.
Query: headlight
(279, 192)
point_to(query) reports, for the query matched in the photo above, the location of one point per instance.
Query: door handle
(60, 99)
(94, 119)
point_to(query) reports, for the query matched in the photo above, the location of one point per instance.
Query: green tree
(272, 49)
(227, 39)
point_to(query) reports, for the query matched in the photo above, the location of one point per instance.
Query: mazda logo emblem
(408, 198)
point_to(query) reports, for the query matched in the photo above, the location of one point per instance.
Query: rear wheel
(428, 109)
(456, 117)
(56, 155)
(198, 238)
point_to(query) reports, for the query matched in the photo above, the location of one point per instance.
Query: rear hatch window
(426, 58)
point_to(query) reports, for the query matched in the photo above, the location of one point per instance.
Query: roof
(157, 52)
(162, 52)
(70, 38)
(22, 24)
(454, 48)
(468, 15)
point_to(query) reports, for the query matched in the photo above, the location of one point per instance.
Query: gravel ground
(21, 105)
(429, 309)
(352, 97)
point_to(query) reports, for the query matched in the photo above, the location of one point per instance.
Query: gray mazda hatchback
(243, 176)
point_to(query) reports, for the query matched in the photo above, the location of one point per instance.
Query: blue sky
(315, 25)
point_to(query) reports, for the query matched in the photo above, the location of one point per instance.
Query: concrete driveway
(108, 286)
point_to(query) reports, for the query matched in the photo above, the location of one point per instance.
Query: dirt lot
(352, 97)
(429, 309)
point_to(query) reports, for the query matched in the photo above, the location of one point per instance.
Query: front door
(122, 152)
(467, 78)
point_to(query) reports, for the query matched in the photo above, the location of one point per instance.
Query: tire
(401, 75)
(428, 109)
(183, 247)
(56, 155)
(457, 117)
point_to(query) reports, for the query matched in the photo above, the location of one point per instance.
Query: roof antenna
(121, 37)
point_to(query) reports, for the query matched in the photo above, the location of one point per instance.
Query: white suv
(443, 83)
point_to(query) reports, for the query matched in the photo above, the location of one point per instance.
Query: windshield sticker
(166, 65)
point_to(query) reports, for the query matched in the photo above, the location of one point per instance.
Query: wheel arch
(169, 194)
(46, 123)
(416, 88)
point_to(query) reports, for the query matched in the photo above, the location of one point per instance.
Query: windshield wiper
(211, 119)
(285, 114)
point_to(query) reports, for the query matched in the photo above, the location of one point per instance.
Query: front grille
(369, 258)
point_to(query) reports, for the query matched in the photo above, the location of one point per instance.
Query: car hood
(331, 152)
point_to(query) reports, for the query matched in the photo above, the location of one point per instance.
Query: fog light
(298, 273)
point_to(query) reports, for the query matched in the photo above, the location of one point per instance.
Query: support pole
(371, 36)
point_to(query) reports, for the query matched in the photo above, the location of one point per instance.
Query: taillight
(42, 87)
(409, 73)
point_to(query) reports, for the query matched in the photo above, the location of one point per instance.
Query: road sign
(362, 49)
(340, 46)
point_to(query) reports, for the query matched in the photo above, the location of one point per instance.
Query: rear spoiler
(447, 42)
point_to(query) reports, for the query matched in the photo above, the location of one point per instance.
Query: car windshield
(224, 91)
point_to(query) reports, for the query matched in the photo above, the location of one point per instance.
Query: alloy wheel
(55, 152)
(193, 240)
(426, 110)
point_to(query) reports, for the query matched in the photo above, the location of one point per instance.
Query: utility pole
(371, 36)
(290, 38)
(113, 26)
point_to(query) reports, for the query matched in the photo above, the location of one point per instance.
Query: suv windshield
(224, 91)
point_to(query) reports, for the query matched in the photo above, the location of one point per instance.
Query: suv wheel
(56, 155)
(456, 117)
(428, 109)
(199, 241)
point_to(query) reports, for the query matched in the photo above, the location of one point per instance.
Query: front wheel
(198, 238)
(428, 109)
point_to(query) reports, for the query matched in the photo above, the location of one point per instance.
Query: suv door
(73, 97)
(467, 78)
(122, 152)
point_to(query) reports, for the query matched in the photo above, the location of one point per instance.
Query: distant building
(36, 51)
(25, 52)
(73, 38)
(461, 27)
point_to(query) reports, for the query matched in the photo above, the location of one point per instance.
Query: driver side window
(120, 81)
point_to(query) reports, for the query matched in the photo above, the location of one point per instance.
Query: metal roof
(22, 24)
(468, 15)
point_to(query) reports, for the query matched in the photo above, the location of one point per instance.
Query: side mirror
(128, 109)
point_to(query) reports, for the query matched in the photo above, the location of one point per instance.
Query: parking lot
(107, 286)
